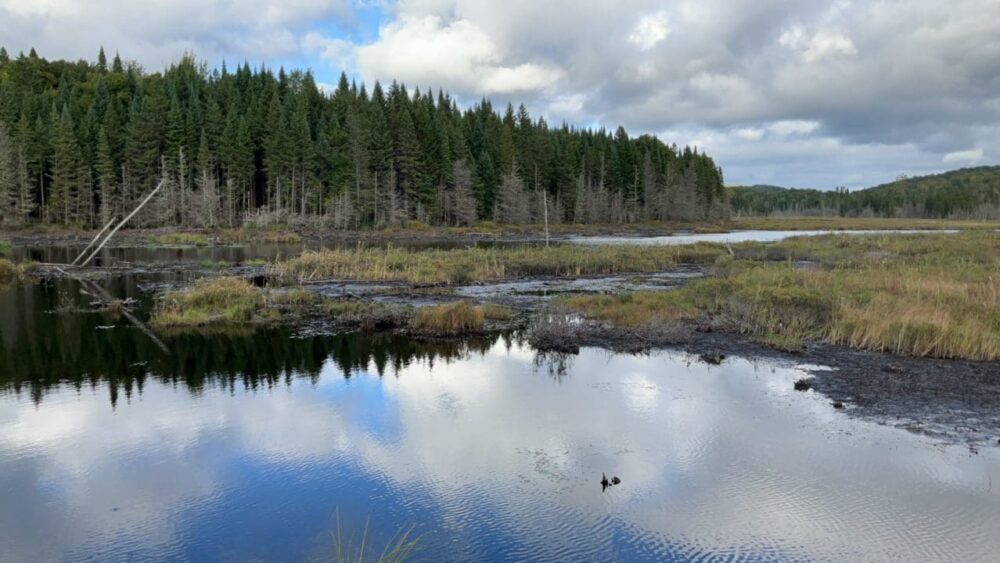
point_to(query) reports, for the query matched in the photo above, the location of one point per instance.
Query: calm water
(735, 236)
(251, 446)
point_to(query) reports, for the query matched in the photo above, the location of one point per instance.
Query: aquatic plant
(399, 548)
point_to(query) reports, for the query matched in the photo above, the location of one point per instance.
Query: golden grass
(11, 272)
(451, 319)
(484, 264)
(855, 223)
(632, 310)
(219, 300)
(494, 312)
(927, 295)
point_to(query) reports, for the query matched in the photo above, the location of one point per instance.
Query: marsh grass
(259, 235)
(451, 319)
(219, 300)
(494, 312)
(399, 548)
(231, 301)
(181, 239)
(926, 295)
(854, 223)
(11, 272)
(475, 264)
(632, 310)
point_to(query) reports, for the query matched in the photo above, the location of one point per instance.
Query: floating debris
(712, 358)
(605, 482)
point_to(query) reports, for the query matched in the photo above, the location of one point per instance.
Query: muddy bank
(955, 401)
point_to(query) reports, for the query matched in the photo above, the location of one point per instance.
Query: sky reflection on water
(488, 454)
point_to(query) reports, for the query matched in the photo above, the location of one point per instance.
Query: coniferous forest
(82, 142)
(968, 193)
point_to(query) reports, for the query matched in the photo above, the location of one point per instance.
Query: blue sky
(808, 93)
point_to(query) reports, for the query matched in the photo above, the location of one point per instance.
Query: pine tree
(107, 184)
(91, 138)
(65, 168)
(8, 179)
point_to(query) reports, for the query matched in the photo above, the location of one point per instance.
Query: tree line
(81, 142)
(969, 193)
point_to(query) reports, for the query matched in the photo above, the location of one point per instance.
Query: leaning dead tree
(118, 226)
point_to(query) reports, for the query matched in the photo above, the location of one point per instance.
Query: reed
(928, 295)
(476, 264)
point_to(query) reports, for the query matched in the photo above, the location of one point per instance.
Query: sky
(804, 93)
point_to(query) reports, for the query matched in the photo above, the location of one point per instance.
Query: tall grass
(855, 223)
(452, 319)
(400, 548)
(12, 272)
(219, 300)
(929, 295)
(484, 264)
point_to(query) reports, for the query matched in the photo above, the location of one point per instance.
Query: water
(734, 237)
(252, 445)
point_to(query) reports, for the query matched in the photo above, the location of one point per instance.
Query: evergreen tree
(89, 141)
(8, 178)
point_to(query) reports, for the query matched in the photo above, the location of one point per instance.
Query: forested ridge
(967, 193)
(81, 142)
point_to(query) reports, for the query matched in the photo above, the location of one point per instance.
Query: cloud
(964, 157)
(824, 44)
(921, 74)
(456, 55)
(157, 32)
(650, 31)
(793, 127)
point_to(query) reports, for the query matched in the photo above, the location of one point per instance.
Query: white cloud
(750, 133)
(650, 30)
(337, 52)
(734, 67)
(793, 127)
(964, 157)
(822, 45)
(828, 44)
(456, 55)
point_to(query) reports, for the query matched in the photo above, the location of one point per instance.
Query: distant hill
(968, 192)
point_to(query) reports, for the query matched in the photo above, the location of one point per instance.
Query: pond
(259, 445)
(735, 236)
